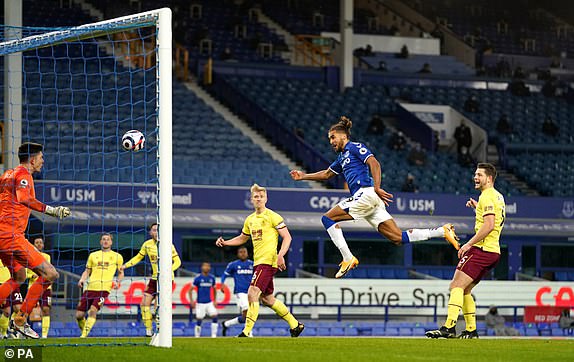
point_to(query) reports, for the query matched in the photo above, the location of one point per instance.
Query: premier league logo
(568, 209)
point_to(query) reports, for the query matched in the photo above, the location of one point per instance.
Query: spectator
(503, 68)
(226, 54)
(565, 321)
(417, 156)
(549, 88)
(397, 142)
(463, 136)
(518, 88)
(503, 126)
(404, 53)
(471, 105)
(496, 321)
(376, 125)
(382, 66)
(425, 69)
(369, 51)
(465, 158)
(409, 185)
(518, 73)
(299, 132)
(549, 128)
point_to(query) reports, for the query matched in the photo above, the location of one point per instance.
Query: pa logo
(568, 209)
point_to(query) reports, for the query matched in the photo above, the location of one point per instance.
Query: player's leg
(46, 309)
(253, 294)
(81, 311)
(469, 313)
(243, 305)
(391, 231)
(212, 312)
(92, 314)
(200, 312)
(18, 276)
(283, 312)
(26, 254)
(330, 221)
(459, 283)
(4, 319)
(145, 306)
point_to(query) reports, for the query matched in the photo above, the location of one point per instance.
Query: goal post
(41, 39)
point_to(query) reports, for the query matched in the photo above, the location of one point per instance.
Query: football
(133, 140)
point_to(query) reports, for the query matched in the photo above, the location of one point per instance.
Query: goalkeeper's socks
(469, 312)
(252, 314)
(281, 310)
(88, 327)
(454, 306)
(81, 323)
(6, 289)
(336, 234)
(413, 235)
(4, 322)
(147, 318)
(45, 326)
(34, 294)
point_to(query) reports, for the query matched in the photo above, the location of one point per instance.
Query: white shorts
(242, 301)
(203, 309)
(367, 205)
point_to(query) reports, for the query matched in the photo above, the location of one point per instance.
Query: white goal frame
(161, 19)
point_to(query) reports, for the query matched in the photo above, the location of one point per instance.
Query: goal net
(77, 91)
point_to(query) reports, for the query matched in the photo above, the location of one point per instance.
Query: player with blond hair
(264, 227)
(362, 172)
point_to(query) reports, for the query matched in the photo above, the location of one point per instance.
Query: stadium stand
(318, 106)
(505, 26)
(439, 64)
(539, 169)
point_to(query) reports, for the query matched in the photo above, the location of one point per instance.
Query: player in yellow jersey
(264, 227)
(478, 256)
(45, 301)
(13, 302)
(100, 269)
(149, 248)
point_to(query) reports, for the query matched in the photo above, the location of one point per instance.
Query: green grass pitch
(315, 349)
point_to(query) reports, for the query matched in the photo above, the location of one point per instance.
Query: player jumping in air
(45, 301)
(264, 226)
(241, 270)
(100, 269)
(205, 283)
(17, 199)
(149, 248)
(368, 199)
(478, 256)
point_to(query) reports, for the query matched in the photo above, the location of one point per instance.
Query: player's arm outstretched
(375, 168)
(236, 241)
(316, 176)
(25, 197)
(285, 244)
(135, 260)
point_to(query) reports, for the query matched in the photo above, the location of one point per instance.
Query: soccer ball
(133, 140)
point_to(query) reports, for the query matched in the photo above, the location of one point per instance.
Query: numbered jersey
(263, 229)
(352, 163)
(490, 202)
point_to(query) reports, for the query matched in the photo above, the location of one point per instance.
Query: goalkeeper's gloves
(59, 211)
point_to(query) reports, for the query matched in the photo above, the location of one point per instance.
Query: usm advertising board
(109, 197)
(365, 296)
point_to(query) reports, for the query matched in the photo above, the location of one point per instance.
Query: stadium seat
(392, 331)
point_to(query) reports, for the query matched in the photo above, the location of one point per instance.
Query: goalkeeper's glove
(59, 211)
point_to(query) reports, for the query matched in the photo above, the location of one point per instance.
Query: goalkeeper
(149, 248)
(17, 199)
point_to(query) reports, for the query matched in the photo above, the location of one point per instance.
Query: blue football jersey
(242, 272)
(204, 283)
(352, 163)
